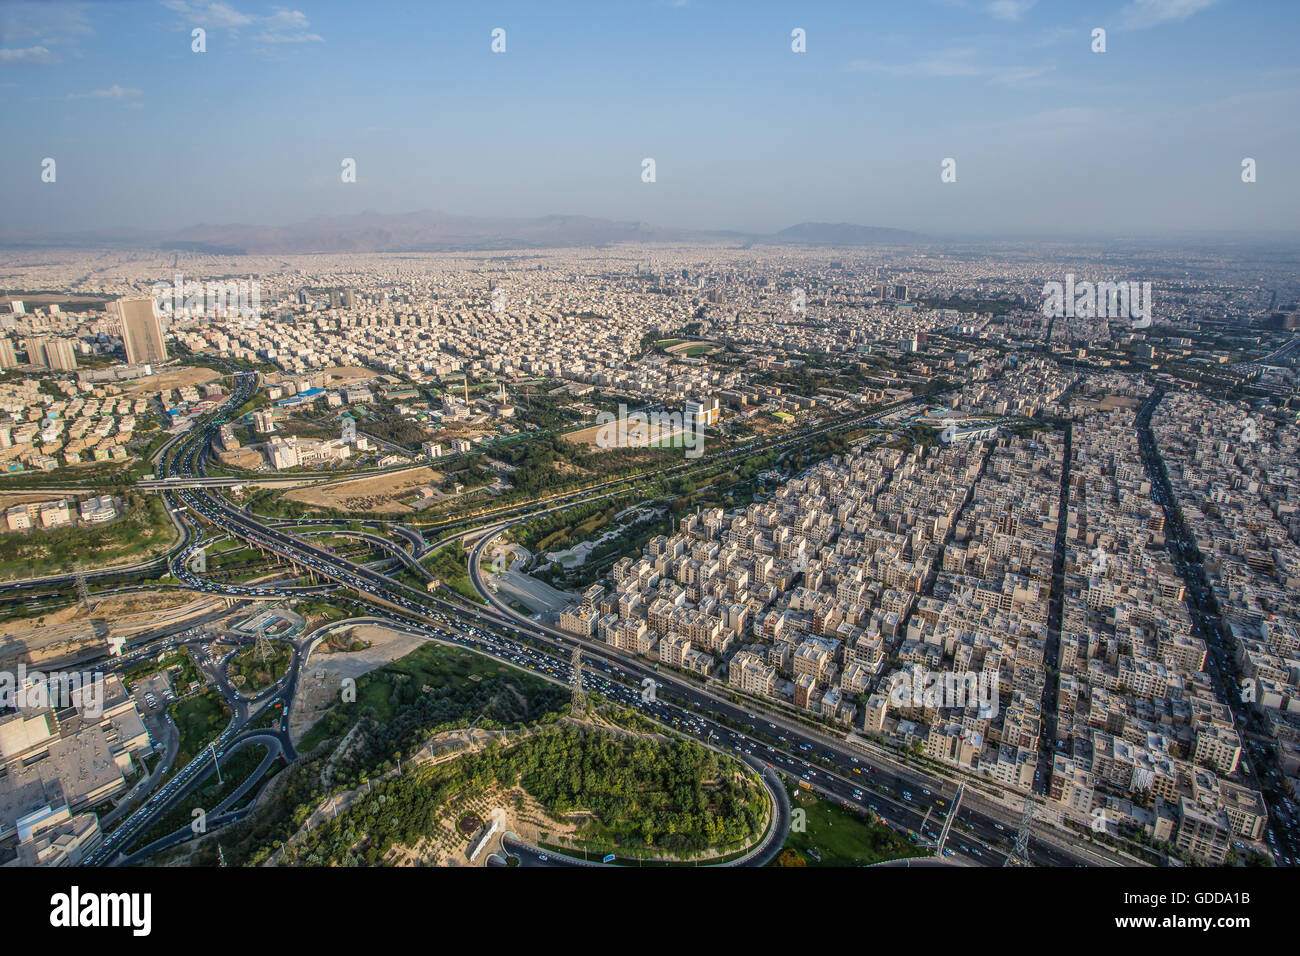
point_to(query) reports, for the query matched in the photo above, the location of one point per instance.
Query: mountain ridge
(439, 231)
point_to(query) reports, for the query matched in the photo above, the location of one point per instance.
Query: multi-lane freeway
(865, 779)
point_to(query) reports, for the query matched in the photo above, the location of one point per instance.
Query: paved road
(619, 676)
(1206, 620)
(219, 816)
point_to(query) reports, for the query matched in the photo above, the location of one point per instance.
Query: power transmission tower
(83, 592)
(1019, 855)
(579, 698)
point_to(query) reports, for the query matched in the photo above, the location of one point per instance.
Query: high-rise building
(35, 349)
(349, 299)
(336, 300)
(60, 355)
(142, 333)
(8, 358)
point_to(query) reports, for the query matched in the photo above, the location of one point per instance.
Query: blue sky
(1049, 138)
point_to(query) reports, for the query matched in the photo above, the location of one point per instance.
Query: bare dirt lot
(68, 630)
(381, 494)
(10, 498)
(625, 435)
(174, 378)
(347, 373)
(1117, 401)
(316, 694)
(250, 459)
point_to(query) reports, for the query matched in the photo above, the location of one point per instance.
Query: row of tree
(674, 796)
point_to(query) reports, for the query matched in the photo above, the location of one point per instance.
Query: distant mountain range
(845, 234)
(428, 231)
(422, 232)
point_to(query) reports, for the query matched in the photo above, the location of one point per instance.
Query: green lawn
(199, 719)
(434, 665)
(450, 564)
(840, 837)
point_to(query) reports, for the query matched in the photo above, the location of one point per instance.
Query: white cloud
(283, 25)
(48, 24)
(1010, 9)
(37, 55)
(114, 92)
(33, 32)
(957, 63)
(212, 16)
(944, 63)
(1149, 13)
(288, 26)
(291, 38)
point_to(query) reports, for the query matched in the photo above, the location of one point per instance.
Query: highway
(235, 736)
(899, 794)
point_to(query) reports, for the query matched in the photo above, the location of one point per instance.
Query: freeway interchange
(856, 775)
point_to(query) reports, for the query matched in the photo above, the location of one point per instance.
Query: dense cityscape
(671, 503)
(1093, 530)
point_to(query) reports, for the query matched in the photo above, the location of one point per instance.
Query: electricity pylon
(579, 698)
